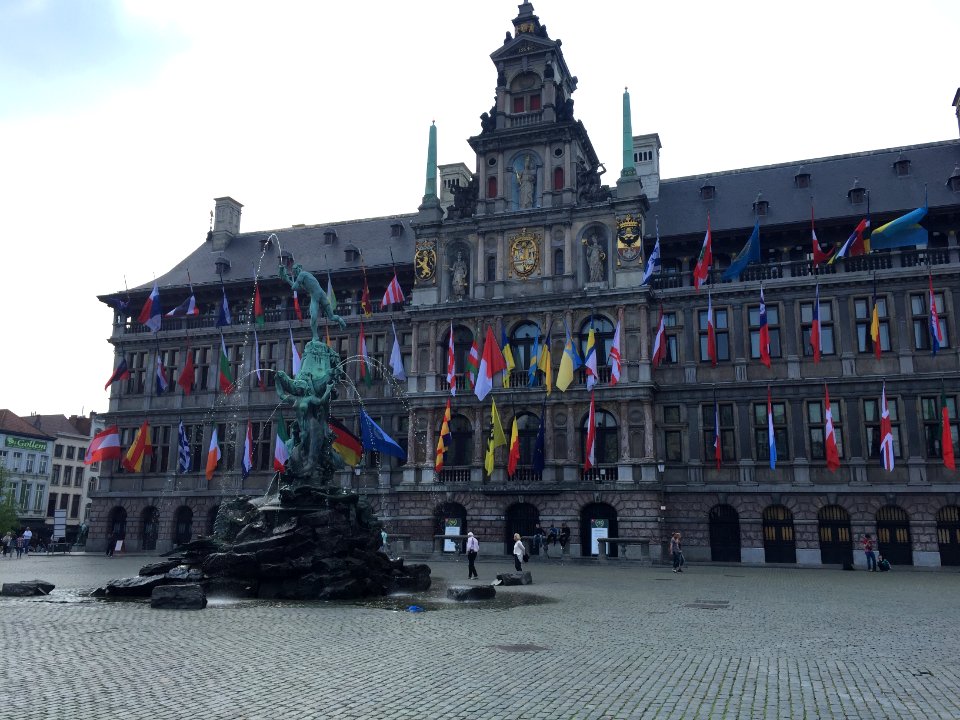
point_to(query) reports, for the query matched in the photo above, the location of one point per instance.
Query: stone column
(479, 436)
(501, 257)
(548, 439)
(414, 360)
(432, 341)
(644, 331)
(431, 449)
(624, 431)
(571, 435)
(649, 443)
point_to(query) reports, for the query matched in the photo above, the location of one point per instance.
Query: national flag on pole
(294, 355)
(280, 452)
(717, 445)
(296, 307)
(711, 332)
(139, 448)
(375, 439)
(946, 436)
(749, 254)
(855, 244)
(473, 364)
(224, 374)
(161, 383)
(702, 270)
(258, 316)
(451, 364)
(936, 333)
(815, 327)
(246, 462)
(819, 256)
(905, 231)
(764, 332)
(331, 295)
(653, 260)
(396, 358)
(497, 438)
(213, 455)
(513, 456)
(491, 363)
(590, 448)
(614, 358)
(223, 312)
(545, 363)
(830, 433)
(151, 315)
(261, 377)
(875, 324)
(186, 373)
(104, 446)
(122, 372)
(886, 432)
(443, 441)
(393, 294)
(590, 359)
(366, 372)
(507, 356)
(660, 341)
(187, 307)
(539, 445)
(771, 435)
(365, 305)
(183, 450)
(345, 443)
(534, 359)
(569, 362)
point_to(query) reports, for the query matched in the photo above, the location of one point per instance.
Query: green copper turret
(628, 168)
(430, 188)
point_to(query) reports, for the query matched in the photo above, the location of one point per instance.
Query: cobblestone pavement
(621, 641)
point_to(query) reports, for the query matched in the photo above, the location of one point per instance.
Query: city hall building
(533, 238)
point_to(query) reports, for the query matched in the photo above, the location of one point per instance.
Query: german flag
(345, 443)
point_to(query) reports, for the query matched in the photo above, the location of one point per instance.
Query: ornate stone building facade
(538, 241)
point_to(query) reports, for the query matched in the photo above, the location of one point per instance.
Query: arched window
(117, 523)
(528, 425)
(491, 187)
(603, 337)
(183, 525)
(607, 448)
(460, 452)
(151, 528)
(523, 342)
(558, 178)
(462, 341)
(558, 262)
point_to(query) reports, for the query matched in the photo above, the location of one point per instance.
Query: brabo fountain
(310, 540)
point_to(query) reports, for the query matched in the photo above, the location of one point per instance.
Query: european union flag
(374, 438)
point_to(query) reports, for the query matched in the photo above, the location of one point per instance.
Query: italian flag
(226, 377)
(280, 454)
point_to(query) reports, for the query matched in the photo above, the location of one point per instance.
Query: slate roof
(13, 424)
(681, 211)
(58, 425)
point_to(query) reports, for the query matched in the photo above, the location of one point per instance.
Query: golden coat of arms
(525, 253)
(629, 238)
(425, 261)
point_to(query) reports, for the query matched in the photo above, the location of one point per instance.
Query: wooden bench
(623, 543)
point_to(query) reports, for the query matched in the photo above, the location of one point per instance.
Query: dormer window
(954, 181)
(801, 179)
(396, 229)
(708, 192)
(901, 167)
(286, 258)
(856, 194)
(760, 207)
(329, 237)
(351, 254)
(222, 265)
(266, 243)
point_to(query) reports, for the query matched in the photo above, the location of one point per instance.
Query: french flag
(151, 315)
(187, 307)
(162, 384)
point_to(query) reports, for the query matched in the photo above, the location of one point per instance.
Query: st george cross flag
(104, 446)
(936, 332)
(280, 454)
(183, 450)
(702, 270)
(590, 451)
(653, 261)
(451, 364)
(614, 359)
(771, 435)
(122, 372)
(161, 383)
(491, 363)
(830, 434)
(186, 373)
(246, 462)
(224, 373)
(711, 332)
(764, 332)
(590, 359)
(294, 355)
(815, 327)
(213, 455)
(366, 371)
(151, 315)
(223, 312)
(393, 294)
(187, 307)
(473, 364)
(886, 432)
(396, 358)
(659, 342)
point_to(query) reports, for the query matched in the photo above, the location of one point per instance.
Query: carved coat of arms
(525, 253)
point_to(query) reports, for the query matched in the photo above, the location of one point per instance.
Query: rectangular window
(198, 453)
(721, 330)
(871, 415)
(58, 451)
(51, 504)
(64, 501)
(227, 437)
(43, 465)
(3, 458)
(672, 433)
(863, 310)
(932, 430)
(160, 442)
(201, 366)
(71, 452)
(235, 355)
(268, 362)
(816, 428)
(761, 433)
(671, 330)
(170, 358)
(827, 346)
(262, 445)
(17, 461)
(75, 506)
(67, 476)
(534, 102)
(78, 477)
(55, 477)
(773, 324)
(518, 104)
(727, 433)
(31, 459)
(921, 320)
(137, 365)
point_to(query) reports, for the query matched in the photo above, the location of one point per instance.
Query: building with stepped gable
(536, 237)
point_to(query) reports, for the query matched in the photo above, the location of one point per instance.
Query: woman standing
(676, 552)
(519, 552)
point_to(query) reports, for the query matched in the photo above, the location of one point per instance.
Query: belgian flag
(345, 443)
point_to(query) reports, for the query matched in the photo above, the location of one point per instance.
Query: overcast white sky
(120, 121)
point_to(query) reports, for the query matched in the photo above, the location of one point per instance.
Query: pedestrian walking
(473, 549)
(5, 541)
(867, 543)
(564, 537)
(27, 537)
(19, 547)
(111, 544)
(676, 552)
(519, 552)
(538, 535)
